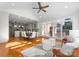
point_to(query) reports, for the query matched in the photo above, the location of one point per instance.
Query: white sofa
(23, 33)
(17, 33)
(48, 43)
(31, 52)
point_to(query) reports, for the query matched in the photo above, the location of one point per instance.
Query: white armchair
(31, 52)
(23, 33)
(17, 33)
(33, 35)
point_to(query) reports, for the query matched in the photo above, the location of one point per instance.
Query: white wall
(75, 32)
(75, 35)
(75, 21)
(4, 27)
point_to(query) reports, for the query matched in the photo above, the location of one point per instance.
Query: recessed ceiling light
(40, 16)
(58, 21)
(66, 6)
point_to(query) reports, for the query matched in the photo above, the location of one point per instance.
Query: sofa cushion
(67, 50)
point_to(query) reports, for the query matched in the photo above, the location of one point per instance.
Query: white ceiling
(55, 10)
(58, 10)
(18, 19)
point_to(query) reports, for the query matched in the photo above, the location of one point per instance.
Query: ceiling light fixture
(40, 7)
(66, 6)
(15, 25)
(40, 16)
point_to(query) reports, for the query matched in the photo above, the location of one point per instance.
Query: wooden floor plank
(16, 51)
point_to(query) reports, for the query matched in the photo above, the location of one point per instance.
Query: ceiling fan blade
(39, 4)
(45, 6)
(38, 11)
(35, 8)
(43, 10)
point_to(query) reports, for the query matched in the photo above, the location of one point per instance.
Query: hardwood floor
(3, 50)
(16, 45)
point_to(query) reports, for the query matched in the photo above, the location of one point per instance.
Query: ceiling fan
(41, 8)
